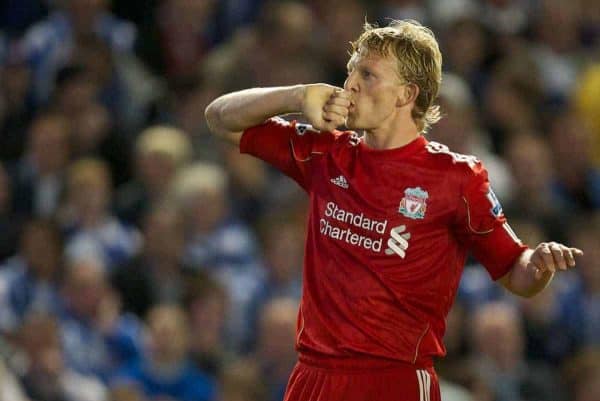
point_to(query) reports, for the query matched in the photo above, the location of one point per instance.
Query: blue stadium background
(143, 260)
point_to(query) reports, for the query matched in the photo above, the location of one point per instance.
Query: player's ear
(407, 93)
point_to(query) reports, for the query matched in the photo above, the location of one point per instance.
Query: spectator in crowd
(10, 388)
(180, 109)
(581, 303)
(556, 46)
(97, 339)
(242, 381)
(521, 92)
(126, 392)
(123, 85)
(466, 47)
(17, 16)
(218, 241)
(278, 50)
(404, 9)
(38, 177)
(340, 22)
(451, 369)
(74, 90)
(460, 130)
(187, 32)
(160, 151)
(497, 336)
(578, 178)
(546, 339)
(48, 44)
(94, 135)
(530, 160)
(87, 218)
(46, 377)
(511, 98)
(282, 245)
(586, 102)
(505, 17)
(283, 52)
(583, 374)
(9, 224)
(275, 351)
(250, 191)
(29, 281)
(15, 110)
(206, 303)
(166, 370)
(156, 275)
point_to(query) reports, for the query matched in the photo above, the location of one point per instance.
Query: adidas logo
(340, 182)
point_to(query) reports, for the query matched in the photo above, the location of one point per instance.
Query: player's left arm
(535, 268)
(485, 229)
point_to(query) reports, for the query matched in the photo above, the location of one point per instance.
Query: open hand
(552, 256)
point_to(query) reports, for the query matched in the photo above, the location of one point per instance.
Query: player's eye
(366, 74)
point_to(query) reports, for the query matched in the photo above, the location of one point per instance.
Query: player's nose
(350, 83)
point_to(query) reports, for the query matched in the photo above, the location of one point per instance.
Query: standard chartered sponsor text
(334, 212)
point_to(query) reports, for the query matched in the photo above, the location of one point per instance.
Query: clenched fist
(325, 106)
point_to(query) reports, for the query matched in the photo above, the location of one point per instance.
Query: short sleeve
(288, 146)
(482, 226)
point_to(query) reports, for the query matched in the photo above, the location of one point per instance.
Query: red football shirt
(388, 234)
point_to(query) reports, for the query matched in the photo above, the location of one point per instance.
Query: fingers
(335, 110)
(546, 256)
(329, 111)
(558, 255)
(342, 95)
(538, 271)
(569, 257)
(552, 256)
(576, 251)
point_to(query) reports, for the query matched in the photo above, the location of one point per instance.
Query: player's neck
(392, 136)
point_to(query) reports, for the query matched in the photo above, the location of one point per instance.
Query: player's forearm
(237, 111)
(522, 279)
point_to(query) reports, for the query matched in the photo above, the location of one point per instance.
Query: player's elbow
(218, 126)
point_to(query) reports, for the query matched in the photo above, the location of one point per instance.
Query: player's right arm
(324, 106)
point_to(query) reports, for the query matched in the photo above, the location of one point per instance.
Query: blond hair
(88, 171)
(419, 61)
(167, 141)
(196, 179)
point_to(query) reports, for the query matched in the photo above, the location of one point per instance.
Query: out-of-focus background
(143, 260)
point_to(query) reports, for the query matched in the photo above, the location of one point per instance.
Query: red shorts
(334, 380)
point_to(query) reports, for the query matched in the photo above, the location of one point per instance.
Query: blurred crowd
(143, 260)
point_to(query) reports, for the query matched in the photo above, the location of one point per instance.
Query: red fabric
(361, 298)
(392, 383)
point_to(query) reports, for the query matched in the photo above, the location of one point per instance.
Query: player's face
(375, 85)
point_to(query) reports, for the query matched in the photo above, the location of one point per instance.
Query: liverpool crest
(414, 203)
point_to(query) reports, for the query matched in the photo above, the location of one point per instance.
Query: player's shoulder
(449, 161)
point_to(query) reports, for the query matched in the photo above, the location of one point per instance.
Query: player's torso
(382, 264)
(392, 214)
